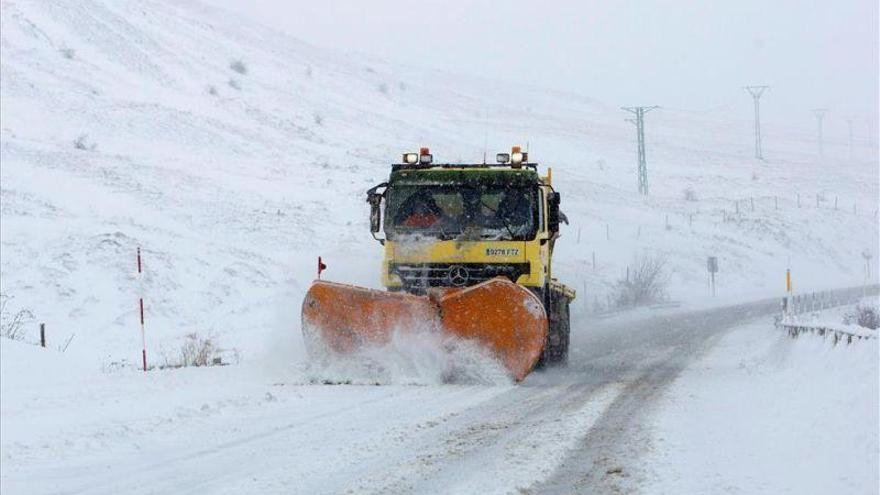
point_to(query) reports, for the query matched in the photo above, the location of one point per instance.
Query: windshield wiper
(506, 226)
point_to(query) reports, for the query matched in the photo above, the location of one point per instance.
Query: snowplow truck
(467, 253)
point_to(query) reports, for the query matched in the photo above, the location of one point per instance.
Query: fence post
(799, 200)
(752, 199)
(775, 202)
(42, 335)
(141, 309)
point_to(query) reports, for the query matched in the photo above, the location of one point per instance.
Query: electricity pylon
(756, 92)
(639, 121)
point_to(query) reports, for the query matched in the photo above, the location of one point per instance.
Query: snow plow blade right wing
(501, 316)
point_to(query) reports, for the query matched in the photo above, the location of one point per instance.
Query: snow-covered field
(126, 124)
(764, 413)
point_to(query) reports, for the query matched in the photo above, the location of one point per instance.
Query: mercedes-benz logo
(458, 276)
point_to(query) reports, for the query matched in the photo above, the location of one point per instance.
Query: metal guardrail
(796, 310)
(837, 334)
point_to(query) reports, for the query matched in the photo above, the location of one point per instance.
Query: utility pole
(639, 121)
(820, 114)
(756, 92)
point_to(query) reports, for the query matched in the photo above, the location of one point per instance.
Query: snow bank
(764, 413)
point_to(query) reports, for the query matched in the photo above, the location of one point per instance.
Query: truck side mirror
(375, 200)
(553, 214)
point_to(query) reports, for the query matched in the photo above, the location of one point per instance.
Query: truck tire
(559, 337)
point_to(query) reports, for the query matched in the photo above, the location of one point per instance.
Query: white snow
(230, 430)
(766, 414)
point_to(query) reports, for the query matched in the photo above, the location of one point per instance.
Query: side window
(542, 205)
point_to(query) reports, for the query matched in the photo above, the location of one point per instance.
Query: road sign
(712, 264)
(712, 267)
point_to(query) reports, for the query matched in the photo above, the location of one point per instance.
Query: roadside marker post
(321, 267)
(788, 308)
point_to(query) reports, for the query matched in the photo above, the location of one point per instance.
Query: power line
(820, 114)
(639, 121)
(756, 92)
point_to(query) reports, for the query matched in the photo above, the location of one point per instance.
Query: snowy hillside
(235, 155)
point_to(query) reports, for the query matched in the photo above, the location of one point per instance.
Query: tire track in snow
(603, 460)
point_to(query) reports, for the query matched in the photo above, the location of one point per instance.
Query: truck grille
(418, 277)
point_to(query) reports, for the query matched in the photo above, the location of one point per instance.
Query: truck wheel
(559, 338)
(560, 356)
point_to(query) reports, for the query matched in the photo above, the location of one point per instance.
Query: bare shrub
(81, 143)
(644, 284)
(68, 53)
(12, 323)
(234, 84)
(238, 66)
(863, 315)
(319, 119)
(690, 194)
(197, 351)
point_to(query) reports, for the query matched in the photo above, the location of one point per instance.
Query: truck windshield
(462, 212)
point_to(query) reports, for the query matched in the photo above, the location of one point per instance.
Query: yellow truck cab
(456, 225)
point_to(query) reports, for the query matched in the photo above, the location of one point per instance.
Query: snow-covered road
(240, 430)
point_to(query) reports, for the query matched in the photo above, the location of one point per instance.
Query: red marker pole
(141, 301)
(321, 267)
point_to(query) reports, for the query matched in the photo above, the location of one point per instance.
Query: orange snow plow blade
(503, 317)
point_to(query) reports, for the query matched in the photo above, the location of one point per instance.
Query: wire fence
(722, 210)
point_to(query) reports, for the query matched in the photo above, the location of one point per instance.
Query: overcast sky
(675, 53)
